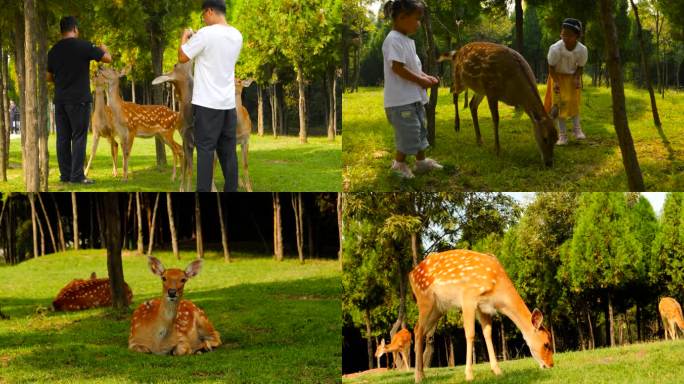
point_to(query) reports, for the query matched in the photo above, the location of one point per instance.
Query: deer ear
(537, 318)
(193, 268)
(161, 79)
(93, 276)
(156, 266)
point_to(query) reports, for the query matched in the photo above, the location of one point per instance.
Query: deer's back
(148, 120)
(83, 294)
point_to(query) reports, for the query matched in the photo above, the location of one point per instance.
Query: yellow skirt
(567, 100)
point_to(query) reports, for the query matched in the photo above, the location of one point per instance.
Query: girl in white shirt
(567, 58)
(405, 85)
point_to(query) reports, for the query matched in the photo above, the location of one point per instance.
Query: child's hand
(428, 81)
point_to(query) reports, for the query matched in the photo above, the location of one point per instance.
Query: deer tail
(447, 56)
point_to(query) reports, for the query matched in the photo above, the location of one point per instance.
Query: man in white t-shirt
(215, 49)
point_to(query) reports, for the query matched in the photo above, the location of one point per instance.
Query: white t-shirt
(398, 91)
(216, 49)
(565, 61)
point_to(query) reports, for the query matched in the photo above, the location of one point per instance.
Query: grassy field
(280, 165)
(658, 362)
(279, 322)
(591, 165)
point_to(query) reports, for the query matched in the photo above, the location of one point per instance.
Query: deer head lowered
(671, 315)
(169, 324)
(478, 284)
(83, 294)
(501, 74)
(401, 344)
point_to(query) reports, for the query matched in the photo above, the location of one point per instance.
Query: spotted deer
(102, 125)
(400, 344)
(244, 130)
(478, 284)
(671, 314)
(169, 324)
(133, 120)
(87, 293)
(501, 74)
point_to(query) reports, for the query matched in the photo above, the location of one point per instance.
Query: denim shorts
(410, 127)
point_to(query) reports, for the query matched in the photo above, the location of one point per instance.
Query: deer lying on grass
(181, 78)
(84, 294)
(401, 344)
(478, 284)
(671, 314)
(133, 120)
(102, 125)
(501, 74)
(169, 324)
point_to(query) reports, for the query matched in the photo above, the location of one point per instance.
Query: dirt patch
(364, 373)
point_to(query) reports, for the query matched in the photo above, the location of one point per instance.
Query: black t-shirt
(69, 63)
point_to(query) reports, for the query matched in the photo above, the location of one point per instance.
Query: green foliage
(284, 312)
(667, 264)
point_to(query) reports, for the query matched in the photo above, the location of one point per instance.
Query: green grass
(592, 165)
(280, 165)
(658, 362)
(279, 322)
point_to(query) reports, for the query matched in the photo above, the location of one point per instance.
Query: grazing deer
(478, 284)
(133, 120)
(244, 130)
(671, 314)
(84, 294)
(171, 325)
(401, 344)
(102, 125)
(501, 74)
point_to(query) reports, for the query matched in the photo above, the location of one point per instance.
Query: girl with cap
(567, 58)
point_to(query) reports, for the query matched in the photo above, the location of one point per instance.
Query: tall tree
(74, 207)
(172, 226)
(277, 228)
(198, 227)
(109, 205)
(224, 234)
(29, 123)
(152, 226)
(645, 67)
(299, 223)
(138, 208)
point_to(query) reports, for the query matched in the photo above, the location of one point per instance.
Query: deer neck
(167, 317)
(184, 93)
(115, 100)
(99, 104)
(516, 310)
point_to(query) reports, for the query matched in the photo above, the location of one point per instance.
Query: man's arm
(107, 57)
(182, 57)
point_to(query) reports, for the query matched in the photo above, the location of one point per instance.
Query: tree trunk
(340, 226)
(519, 26)
(47, 221)
(302, 104)
(198, 227)
(172, 226)
(60, 229)
(638, 322)
(29, 123)
(43, 103)
(5, 96)
(274, 109)
(629, 156)
(591, 331)
(260, 110)
(224, 234)
(332, 114)
(154, 221)
(34, 218)
(109, 206)
(451, 360)
(42, 234)
(504, 347)
(610, 329)
(297, 208)
(140, 223)
(431, 65)
(369, 337)
(644, 67)
(277, 228)
(580, 333)
(157, 46)
(4, 127)
(414, 248)
(74, 208)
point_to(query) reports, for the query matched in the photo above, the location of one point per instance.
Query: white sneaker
(427, 165)
(562, 140)
(579, 135)
(402, 169)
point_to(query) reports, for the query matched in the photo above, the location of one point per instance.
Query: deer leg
(128, 145)
(245, 167)
(406, 354)
(457, 119)
(96, 138)
(183, 348)
(207, 333)
(486, 323)
(426, 322)
(494, 109)
(474, 104)
(188, 149)
(469, 309)
(114, 146)
(139, 348)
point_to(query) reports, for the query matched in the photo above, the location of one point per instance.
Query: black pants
(72, 122)
(215, 131)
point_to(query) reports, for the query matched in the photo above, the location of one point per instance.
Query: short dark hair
(393, 9)
(573, 25)
(68, 24)
(216, 5)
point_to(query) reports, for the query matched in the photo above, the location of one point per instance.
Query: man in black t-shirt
(69, 68)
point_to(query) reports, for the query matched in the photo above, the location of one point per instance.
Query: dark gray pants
(215, 131)
(72, 122)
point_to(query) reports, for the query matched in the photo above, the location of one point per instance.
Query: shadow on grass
(271, 332)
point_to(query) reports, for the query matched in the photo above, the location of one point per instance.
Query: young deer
(478, 284)
(501, 74)
(133, 120)
(102, 124)
(171, 325)
(671, 314)
(401, 344)
(244, 130)
(83, 294)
